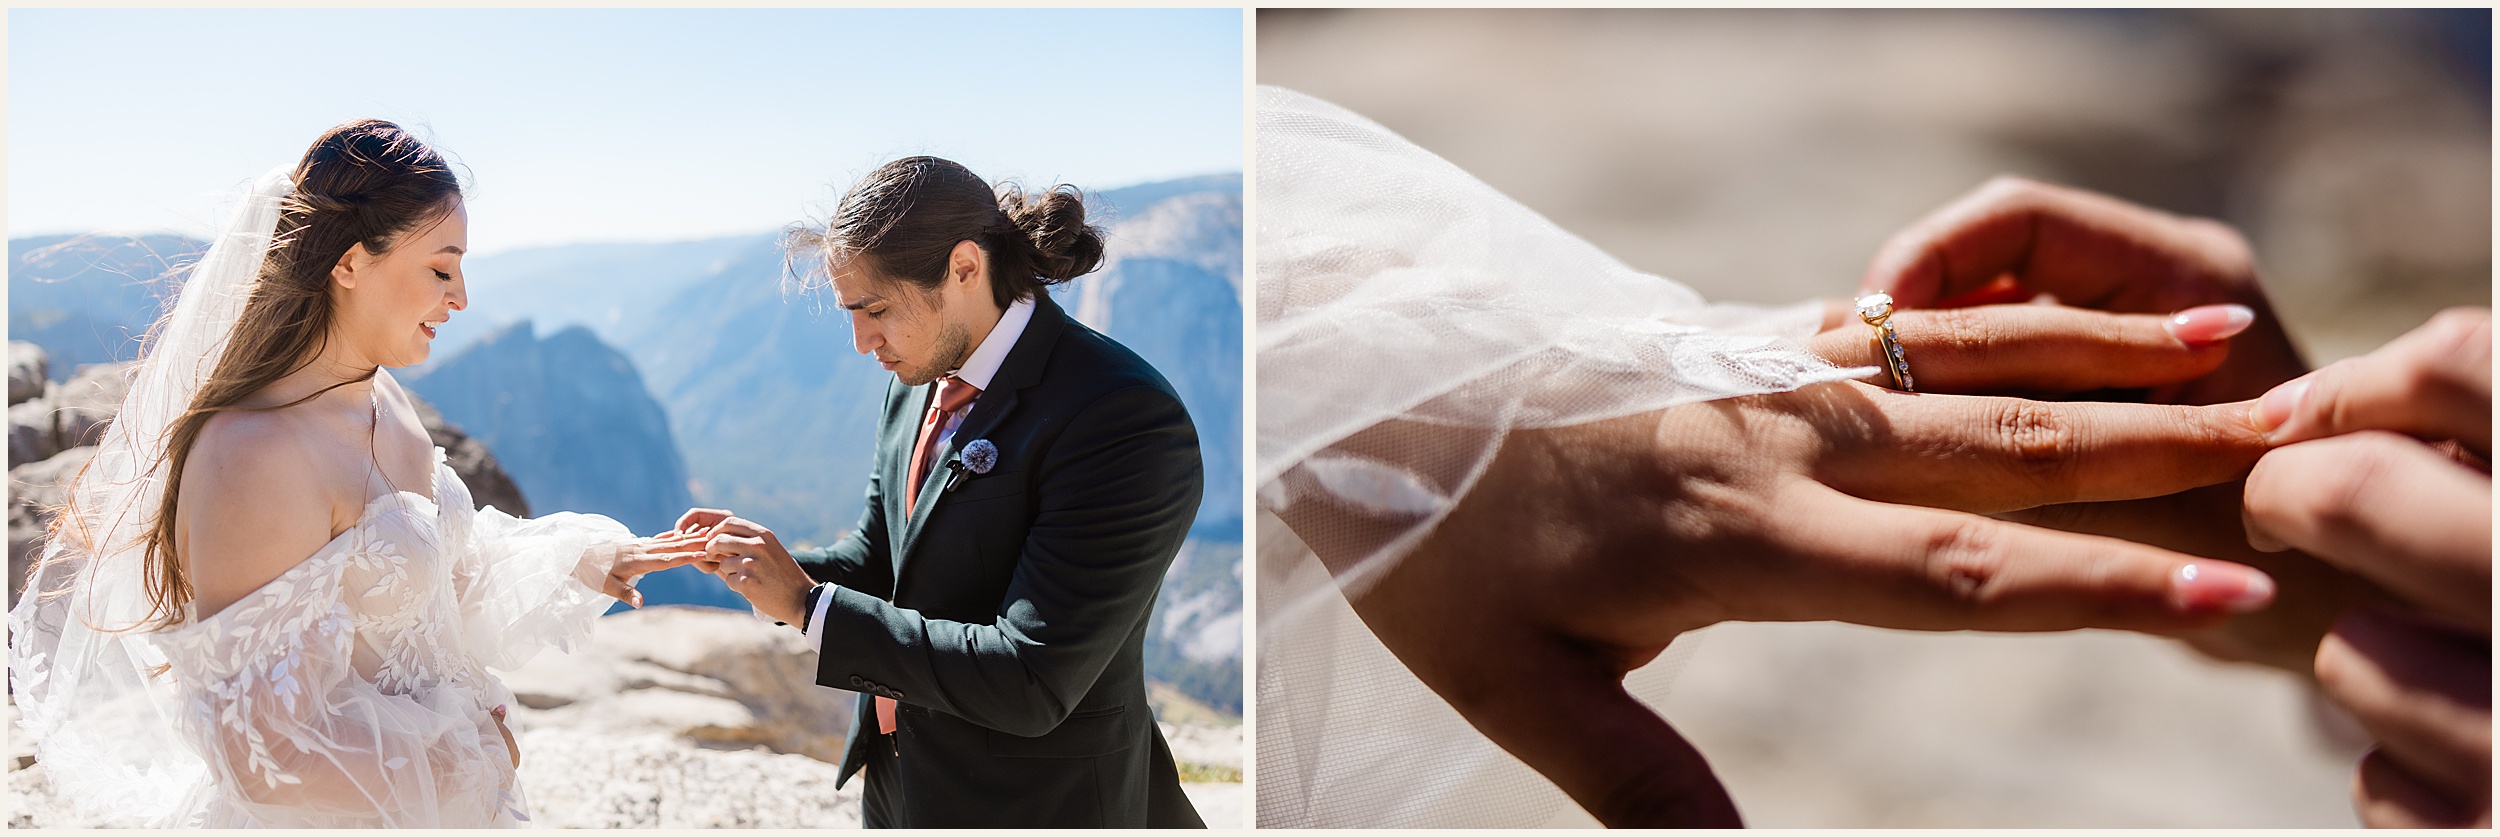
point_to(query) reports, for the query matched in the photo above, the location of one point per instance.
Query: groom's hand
(2385, 471)
(752, 560)
(700, 520)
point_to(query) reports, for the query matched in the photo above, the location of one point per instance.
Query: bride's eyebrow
(452, 249)
(862, 303)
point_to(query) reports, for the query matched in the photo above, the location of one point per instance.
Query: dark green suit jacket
(1007, 615)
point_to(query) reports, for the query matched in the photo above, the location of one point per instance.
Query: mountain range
(771, 406)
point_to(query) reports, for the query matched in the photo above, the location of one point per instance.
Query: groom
(1032, 482)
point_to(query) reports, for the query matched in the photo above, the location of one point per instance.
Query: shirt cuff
(815, 629)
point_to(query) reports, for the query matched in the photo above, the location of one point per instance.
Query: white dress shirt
(977, 370)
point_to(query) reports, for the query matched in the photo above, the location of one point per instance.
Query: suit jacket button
(856, 681)
(898, 695)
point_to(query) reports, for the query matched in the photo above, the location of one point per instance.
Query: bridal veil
(79, 660)
(1409, 318)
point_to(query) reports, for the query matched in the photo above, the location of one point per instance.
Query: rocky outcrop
(714, 677)
(28, 371)
(31, 436)
(52, 434)
(488, 484)
(31, 428)
(34, 491)
(655, 781)
(84, 407)
(686, 717)
(74, 414)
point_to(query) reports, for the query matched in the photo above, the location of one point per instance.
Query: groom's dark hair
(906, 217)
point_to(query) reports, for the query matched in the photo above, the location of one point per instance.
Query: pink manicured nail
(2228, 587)
(2210, 323)
(2277, 407)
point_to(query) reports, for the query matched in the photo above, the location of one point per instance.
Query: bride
(298, 633)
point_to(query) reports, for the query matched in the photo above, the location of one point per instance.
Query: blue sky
(608, 125)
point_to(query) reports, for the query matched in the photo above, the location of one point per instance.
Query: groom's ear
(966, 264)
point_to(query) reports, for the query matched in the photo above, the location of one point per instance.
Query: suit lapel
(900, 435)
(1022, 369)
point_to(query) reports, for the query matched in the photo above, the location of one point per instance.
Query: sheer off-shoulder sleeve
(300, 725)
(524, 585)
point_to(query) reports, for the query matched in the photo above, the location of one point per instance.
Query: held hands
(2383, 473)
(2011, 239)
(1584, 550)
(645, 556)
(750, 558)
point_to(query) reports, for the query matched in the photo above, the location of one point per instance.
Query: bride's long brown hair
(364, 182)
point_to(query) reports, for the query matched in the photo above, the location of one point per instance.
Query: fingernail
(2209, 323)
(2258, 538)
(2227, 587)
(2277, 406)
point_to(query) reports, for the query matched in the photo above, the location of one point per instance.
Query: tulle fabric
(1410, 317)
(351, 691)
(79, 669)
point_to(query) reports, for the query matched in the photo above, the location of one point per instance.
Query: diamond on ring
(1876, 310)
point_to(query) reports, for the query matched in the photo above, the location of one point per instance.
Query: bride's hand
(2012, 238)
(2037, 350)
(1584, 550)
(646, 556)
(510, 744)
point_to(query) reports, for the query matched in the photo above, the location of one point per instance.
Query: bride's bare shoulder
(394, 396)
(251, 505)
(238, 442)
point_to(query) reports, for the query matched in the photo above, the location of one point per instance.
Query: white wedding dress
(351, 691)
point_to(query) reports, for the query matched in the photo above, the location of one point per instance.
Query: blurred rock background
(1763, 156)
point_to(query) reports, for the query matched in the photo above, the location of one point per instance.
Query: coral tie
(952, 396)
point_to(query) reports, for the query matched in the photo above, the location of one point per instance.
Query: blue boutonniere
(978, 457)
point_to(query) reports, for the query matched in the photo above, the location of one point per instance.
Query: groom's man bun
(905, 218)
(1063, 246)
